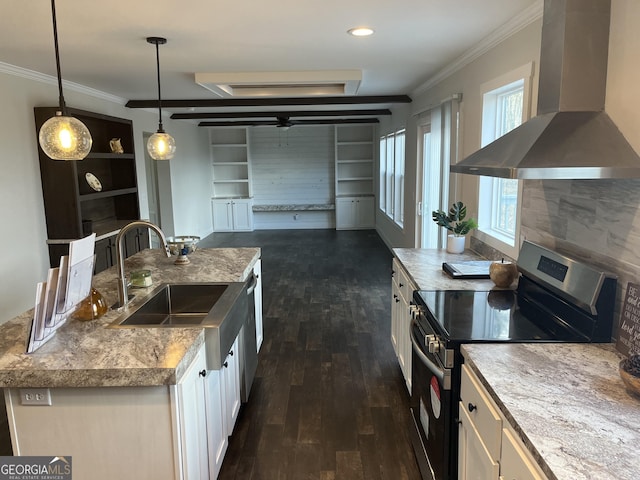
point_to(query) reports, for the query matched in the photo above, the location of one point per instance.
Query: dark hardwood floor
(329, 400)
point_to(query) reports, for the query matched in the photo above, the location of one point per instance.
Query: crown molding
(517, 23)
(49, 80)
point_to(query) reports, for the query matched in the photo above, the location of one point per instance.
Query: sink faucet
(123, 298)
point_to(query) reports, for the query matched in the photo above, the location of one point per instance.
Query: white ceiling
(103, 46)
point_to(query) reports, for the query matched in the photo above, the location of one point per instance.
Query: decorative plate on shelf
(93, 181)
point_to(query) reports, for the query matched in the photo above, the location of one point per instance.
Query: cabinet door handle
(397, 299)
(471, 407)
(202, 373)
(401, 285)
(231, 353)
(225, 364)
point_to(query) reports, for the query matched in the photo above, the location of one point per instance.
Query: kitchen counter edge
(567, 403)
(86, 354)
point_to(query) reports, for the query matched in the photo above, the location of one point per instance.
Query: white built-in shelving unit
(355, 187)
(230, 162)
(354, 160)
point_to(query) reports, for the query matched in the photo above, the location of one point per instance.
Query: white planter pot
(455, 244)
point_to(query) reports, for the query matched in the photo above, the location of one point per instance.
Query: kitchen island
(127, 402)
(86, 354)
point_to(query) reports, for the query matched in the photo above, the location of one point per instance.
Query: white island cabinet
(129, 403)
(165, 432)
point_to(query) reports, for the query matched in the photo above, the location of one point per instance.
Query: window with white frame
(392, 176)
(504, 107)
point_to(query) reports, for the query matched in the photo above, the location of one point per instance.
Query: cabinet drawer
(483, 414)
(515, 463)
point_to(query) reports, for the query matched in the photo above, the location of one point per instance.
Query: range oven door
(431, 409)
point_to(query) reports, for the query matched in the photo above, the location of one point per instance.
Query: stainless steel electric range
(557, 300)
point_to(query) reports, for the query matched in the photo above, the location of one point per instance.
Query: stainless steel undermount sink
(220, 308)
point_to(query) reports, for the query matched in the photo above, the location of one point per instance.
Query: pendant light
(161, 145)
(63, 137)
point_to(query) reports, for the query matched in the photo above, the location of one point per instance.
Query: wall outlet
(35, 396)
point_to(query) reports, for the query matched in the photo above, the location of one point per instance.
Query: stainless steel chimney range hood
(571, 137)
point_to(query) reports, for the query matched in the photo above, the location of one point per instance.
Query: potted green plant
(457, 223)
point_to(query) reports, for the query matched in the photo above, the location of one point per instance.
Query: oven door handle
(443, 374)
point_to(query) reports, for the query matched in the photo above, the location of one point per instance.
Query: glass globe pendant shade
(65, 138)
(161, 146)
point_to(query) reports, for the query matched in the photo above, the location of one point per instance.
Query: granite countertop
(424, 266)
(568, 403)
(86, 354)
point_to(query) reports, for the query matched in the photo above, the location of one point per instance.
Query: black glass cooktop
(491, 316)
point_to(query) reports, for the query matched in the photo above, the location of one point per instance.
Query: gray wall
(597, 220)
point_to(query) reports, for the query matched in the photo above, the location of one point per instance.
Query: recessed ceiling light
(360, 31)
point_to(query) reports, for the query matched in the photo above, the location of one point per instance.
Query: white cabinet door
(404, 341)
(242, 215)
(230, 214)
(396, 303)
(193, 421)
(355, 212)
(222, 215)
(345, 213)
(365, 215)
(474, 461)
(231, 372)
(481, 410)
(218, 440)
(257, 298)
(402, 293)
(515, 463)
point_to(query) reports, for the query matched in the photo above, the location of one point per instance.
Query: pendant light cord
(55, 42)
(160, 129)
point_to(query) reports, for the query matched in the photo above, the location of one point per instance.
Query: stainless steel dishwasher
(249, 359)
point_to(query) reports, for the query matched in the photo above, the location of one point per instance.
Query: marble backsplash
(597, 221)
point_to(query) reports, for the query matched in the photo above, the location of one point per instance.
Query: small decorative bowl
(631, 381)
(182, 246)
(177, 245)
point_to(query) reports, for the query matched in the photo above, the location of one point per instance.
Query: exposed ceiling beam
(259, 123)
(269, 102)
(290, 114)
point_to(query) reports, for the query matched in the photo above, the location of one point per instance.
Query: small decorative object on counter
(141, 278)
(630, 373)
(455, 222)
(503, 273)
(116, 145)
(92, 307)
(182, 246)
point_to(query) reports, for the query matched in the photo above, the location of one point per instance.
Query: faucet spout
(123, 297)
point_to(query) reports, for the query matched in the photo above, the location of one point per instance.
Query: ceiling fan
(284, 123)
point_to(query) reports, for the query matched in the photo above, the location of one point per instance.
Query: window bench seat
(294, 207)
